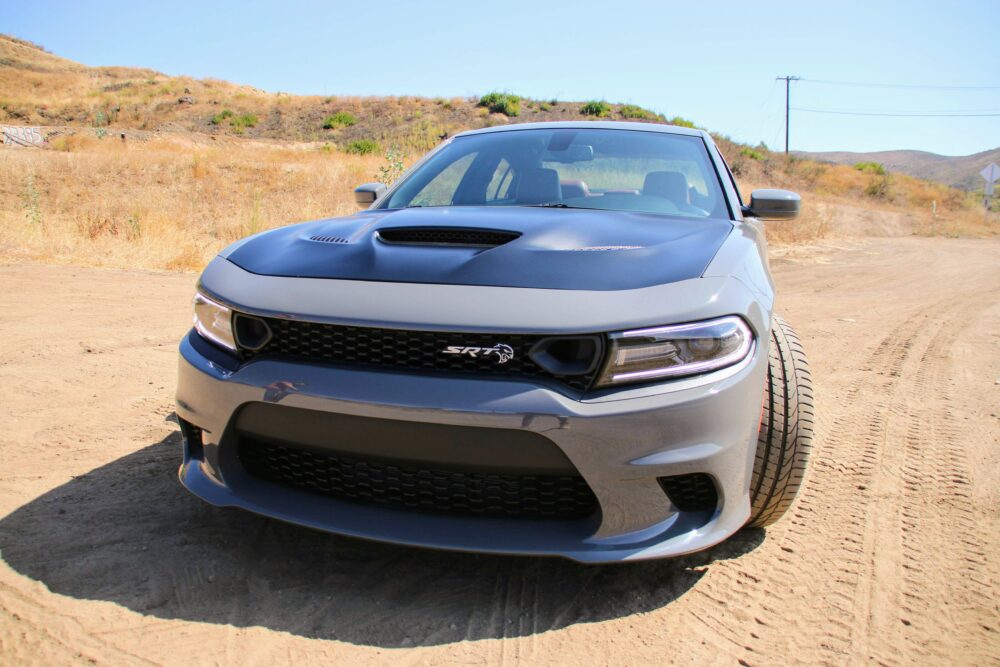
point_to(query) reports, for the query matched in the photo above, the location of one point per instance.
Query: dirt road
(891, 555)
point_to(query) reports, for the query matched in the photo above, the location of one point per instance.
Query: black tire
(786, 428)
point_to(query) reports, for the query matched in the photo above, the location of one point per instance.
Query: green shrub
(245, 120)
(361, 147)
(681, 122)
(871, 168)
(393, 168)
(633, 111)
(505, 103)
(597, 108)
(339, 119)
(221, 116)
(544, 106)
(746, 151)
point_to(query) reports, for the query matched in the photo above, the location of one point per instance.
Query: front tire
(784, 440)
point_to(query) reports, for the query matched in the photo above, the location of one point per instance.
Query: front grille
(406, 485)
(446, 236)
(421, 351)
(691, 493)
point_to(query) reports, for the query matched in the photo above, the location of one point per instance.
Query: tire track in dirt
(944, 560)
(849, 469)
(837, 496)
(72, 640)
(876, 514)
(888, 556)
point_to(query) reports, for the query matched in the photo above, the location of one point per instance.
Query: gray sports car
(549, 339)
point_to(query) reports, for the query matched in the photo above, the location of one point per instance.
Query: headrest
(538, 186)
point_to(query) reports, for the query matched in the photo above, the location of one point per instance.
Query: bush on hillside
(871, 168)
(221, 116)
(596, 108)
(245, 120)
(505, 103)
(681, 122)
(633, 111)
(878, 188)
(339, 119)
(361, 147)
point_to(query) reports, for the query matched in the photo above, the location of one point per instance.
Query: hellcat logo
(501, 351)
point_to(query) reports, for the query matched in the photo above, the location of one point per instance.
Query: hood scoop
(466, 237)
(327, 239)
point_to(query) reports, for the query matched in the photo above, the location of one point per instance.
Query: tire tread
(784, 441)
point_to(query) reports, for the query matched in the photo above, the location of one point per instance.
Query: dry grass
(165, 203)
(842, 202)
(180, 187)
(173, 202)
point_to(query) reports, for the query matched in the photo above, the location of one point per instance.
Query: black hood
(553, 248)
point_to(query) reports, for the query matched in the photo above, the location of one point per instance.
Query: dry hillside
(40, 88)
(144, 169)
(961, 171)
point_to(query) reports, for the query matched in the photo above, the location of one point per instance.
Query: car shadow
(128, 533)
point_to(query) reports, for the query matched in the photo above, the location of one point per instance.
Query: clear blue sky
(712, 62)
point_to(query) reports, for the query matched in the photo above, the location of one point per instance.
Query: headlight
(683, 349)
(214, 321)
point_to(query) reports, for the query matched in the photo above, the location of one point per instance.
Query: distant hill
(960, 171)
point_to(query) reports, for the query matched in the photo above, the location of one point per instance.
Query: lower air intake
(691, 493)
(405, 485)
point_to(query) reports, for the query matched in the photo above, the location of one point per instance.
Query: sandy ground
(891, 555)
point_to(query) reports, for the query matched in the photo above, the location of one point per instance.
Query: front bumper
(620, 443)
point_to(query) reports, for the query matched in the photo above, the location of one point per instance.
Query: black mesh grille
(691, 493)
(328, 239)
(421, 351)
(446, 236)
(406, 486)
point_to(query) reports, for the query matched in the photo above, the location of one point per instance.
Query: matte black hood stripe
(556, 249)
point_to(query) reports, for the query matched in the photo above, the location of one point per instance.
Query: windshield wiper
(551, 205)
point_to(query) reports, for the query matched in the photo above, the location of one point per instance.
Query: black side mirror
(773, 205)
(365, 195)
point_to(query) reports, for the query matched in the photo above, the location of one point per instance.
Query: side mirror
(365, 195)
(773, 205)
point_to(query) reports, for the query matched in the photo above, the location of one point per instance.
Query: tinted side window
(499, 188)
(441, 189)
(732, 179)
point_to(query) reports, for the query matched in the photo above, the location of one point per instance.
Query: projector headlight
(214, 321)
(684, 349)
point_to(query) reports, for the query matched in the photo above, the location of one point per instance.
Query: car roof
(592, 125)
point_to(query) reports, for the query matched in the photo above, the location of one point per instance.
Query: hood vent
(328, 239)
(446, 236)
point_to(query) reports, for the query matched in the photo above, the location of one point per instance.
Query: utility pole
(788, 84)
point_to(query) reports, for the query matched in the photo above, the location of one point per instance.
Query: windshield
(619, 170)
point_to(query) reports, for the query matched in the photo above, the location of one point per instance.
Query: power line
(897, 85)
(939, 114)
